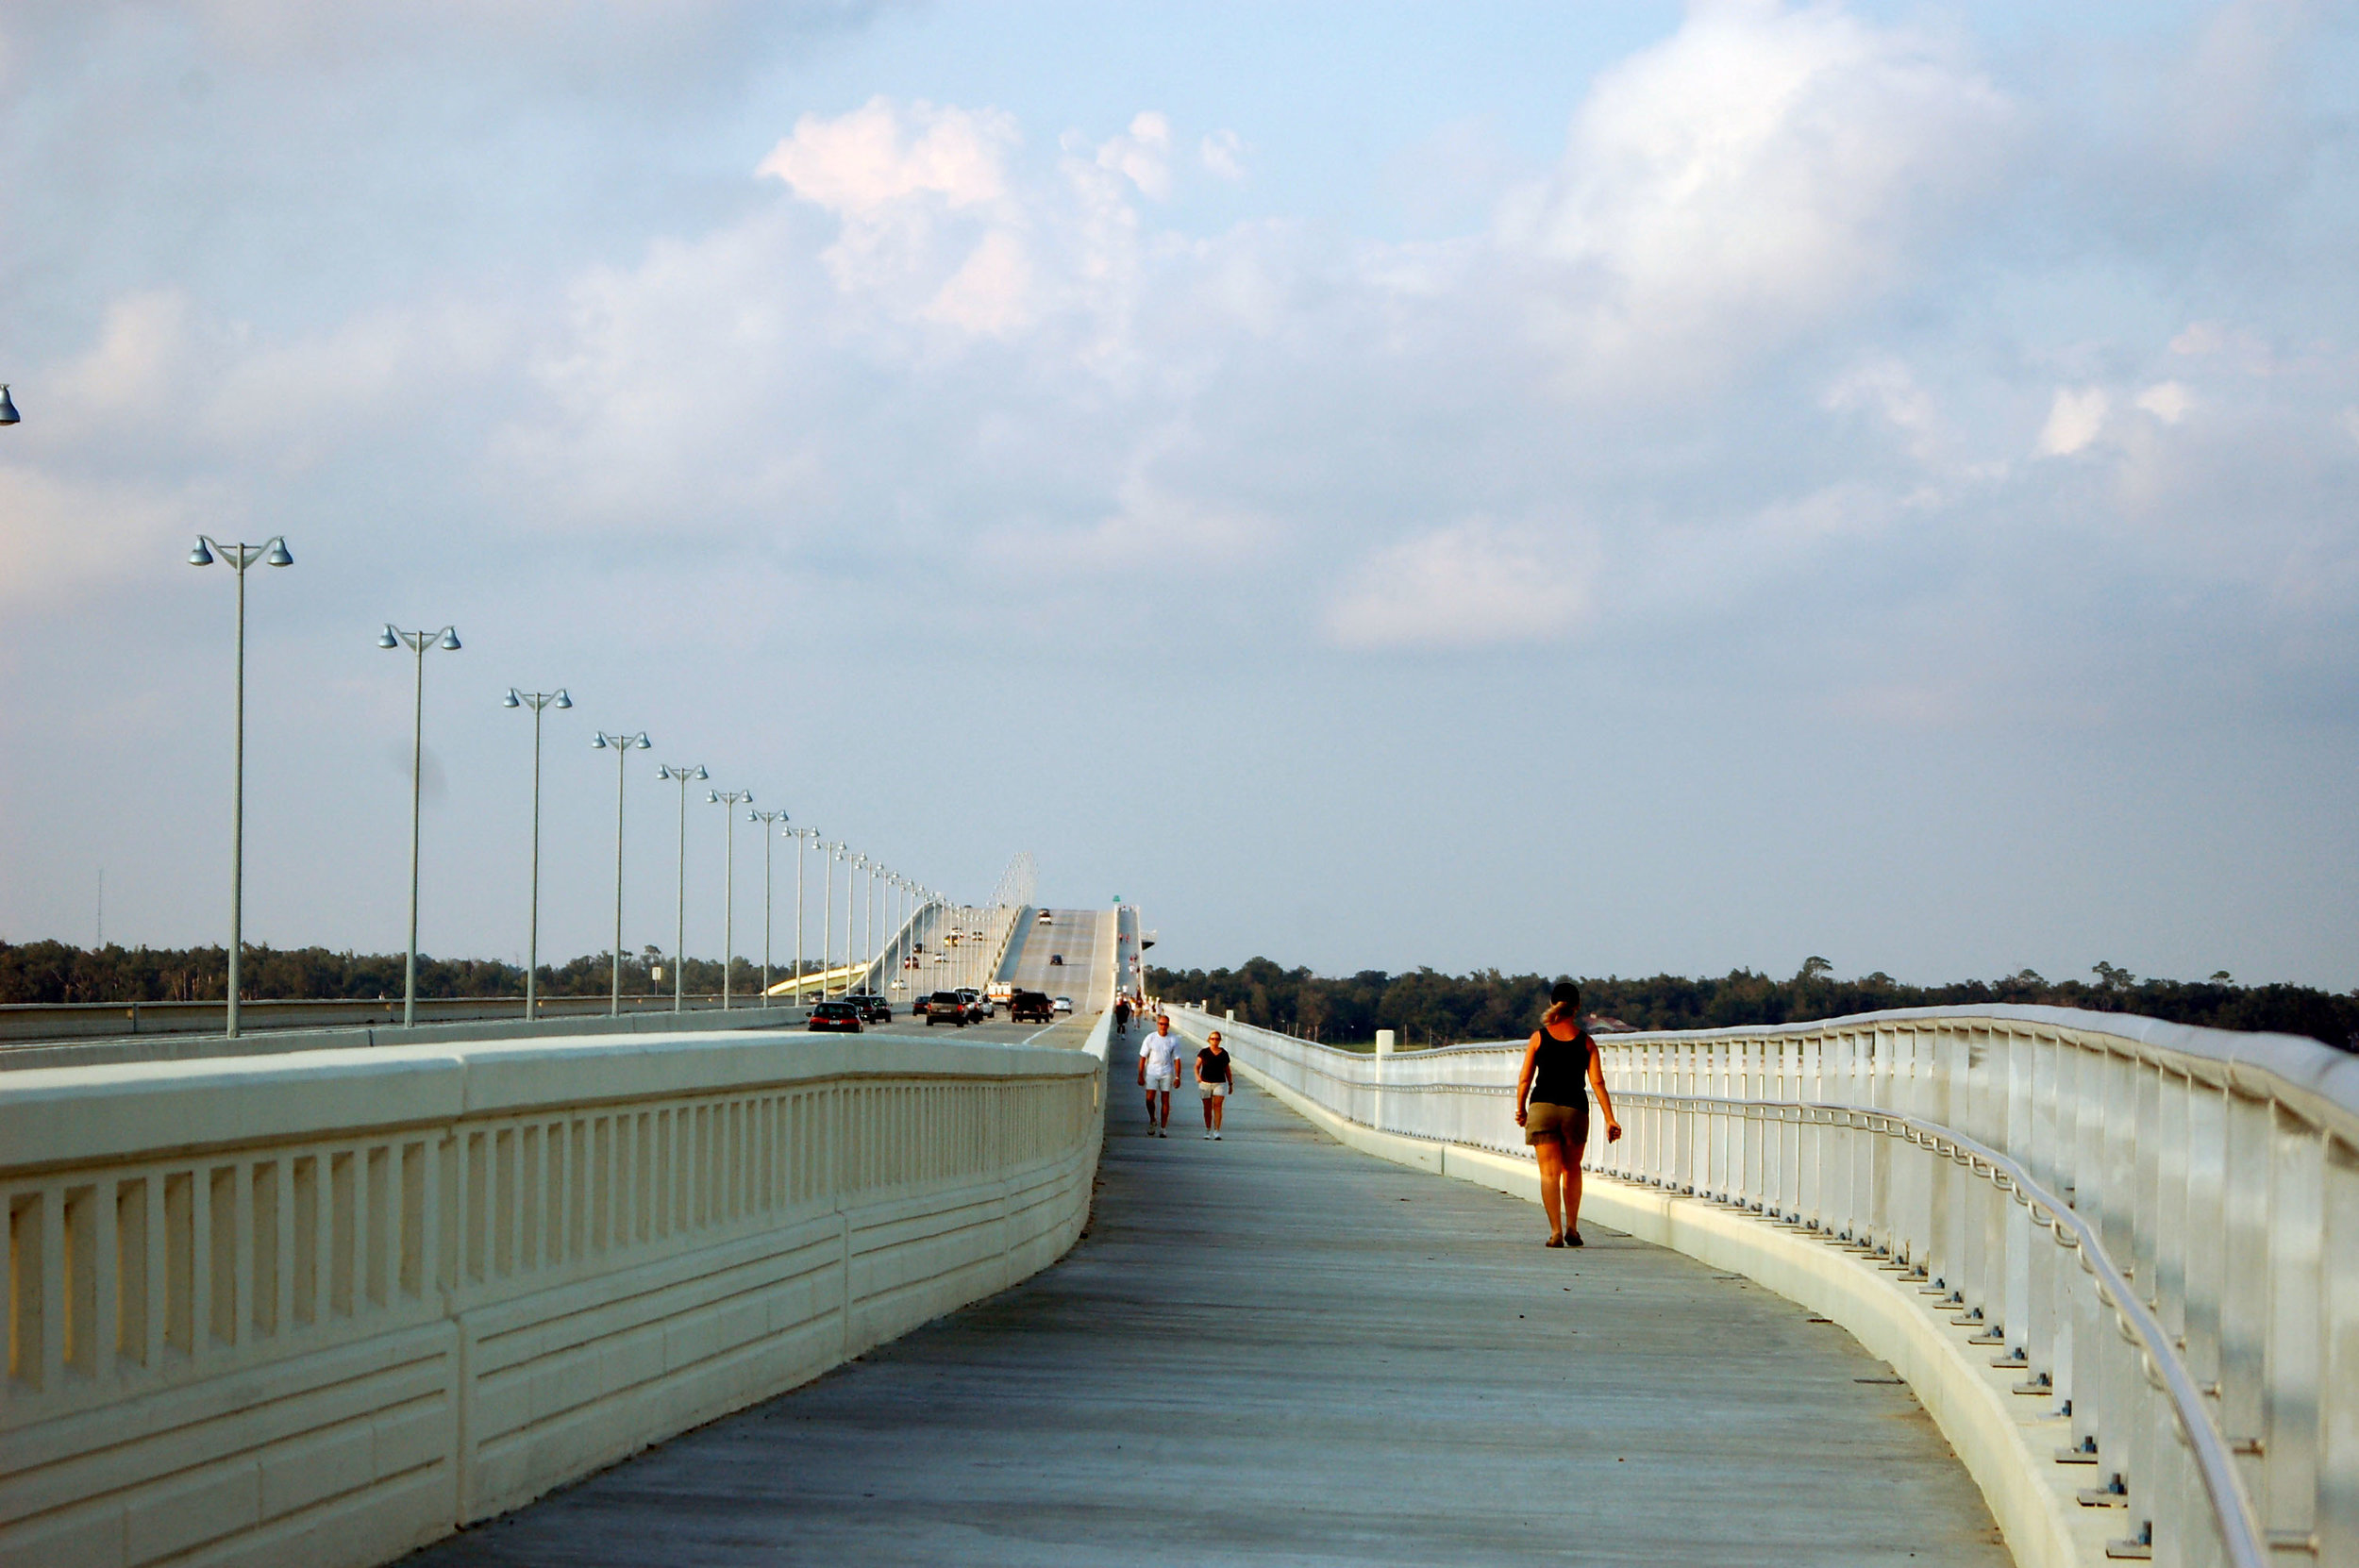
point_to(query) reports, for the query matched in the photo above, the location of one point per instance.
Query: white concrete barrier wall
(320, 1310)
(2151, 1232)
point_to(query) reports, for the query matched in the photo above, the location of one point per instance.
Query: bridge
(1952, 1287)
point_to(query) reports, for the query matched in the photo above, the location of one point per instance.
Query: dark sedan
(842, 1017)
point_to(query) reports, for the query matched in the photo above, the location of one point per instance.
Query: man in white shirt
(1159, 1069)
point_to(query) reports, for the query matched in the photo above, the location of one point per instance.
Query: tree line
(1424, 1007)
(55, 972)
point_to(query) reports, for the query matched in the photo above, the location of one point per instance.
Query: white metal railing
(2157, 1225)
(576, 1246)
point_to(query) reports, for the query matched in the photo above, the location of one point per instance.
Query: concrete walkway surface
(1274, 1350)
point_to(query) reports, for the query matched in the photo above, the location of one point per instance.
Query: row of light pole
(240, 557)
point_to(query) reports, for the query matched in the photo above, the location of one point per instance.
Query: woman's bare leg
(1572, 1189)
(1209, 1102)
(1551, 1156)
(1220, 1108)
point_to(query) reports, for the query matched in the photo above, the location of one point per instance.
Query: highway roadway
(1083, 938)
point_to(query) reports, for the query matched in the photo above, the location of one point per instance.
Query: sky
(1596, 488)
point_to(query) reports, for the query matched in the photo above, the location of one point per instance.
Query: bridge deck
(1274, 1350)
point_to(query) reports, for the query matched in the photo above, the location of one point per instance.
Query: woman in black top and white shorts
(1213, 1077)
(1552, 1107)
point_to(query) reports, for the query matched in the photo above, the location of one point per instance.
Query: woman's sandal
(1554, 1241)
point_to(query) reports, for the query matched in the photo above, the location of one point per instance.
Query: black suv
(841, 1016)
(1031, 1007)
(873, 1008)
(946, 1007)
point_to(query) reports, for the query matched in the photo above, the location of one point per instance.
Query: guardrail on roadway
(318, 1310)
(2154, 1227)
(49, 1021)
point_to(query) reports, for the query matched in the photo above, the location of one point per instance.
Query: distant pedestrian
(1158, 1071)
(1122, 1015)
(1552, 1107)
(1212, 1080)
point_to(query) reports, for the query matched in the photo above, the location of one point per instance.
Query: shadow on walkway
(1274, 1350)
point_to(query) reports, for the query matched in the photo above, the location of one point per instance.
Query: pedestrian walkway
(1274, 1350)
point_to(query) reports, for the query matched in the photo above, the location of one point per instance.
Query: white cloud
(1471, 584)
(1759, 172)
(2167, 401)
(1223, 154)
(2074, 419)
(1142, 154)
(1887, 388)
(873, 158)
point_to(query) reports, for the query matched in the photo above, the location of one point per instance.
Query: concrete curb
(2005, 1441)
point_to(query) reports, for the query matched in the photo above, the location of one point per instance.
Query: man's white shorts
(1157, 1080)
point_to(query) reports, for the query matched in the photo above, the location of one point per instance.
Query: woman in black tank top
(1552, 1106)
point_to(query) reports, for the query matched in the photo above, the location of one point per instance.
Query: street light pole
(271, 552)
(622, 745)
(536, 701)
(852, 862)
(800, 836)
(765, 818)
(732, 800)
(417, 643)
(826, 912)
(683, 777)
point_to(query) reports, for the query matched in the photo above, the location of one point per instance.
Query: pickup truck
(1030, 1007)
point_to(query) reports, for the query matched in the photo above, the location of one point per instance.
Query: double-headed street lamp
(536, 701)
(765, 818)
(417, 643)
(731, 799)
(802, 837)
(271, 552)
(828, 853)
(622, 745)
(683, 777)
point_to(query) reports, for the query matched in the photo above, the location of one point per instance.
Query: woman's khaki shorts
(1547, 1124)
(1215, 1090)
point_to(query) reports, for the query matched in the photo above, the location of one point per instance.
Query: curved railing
(2157, 1227)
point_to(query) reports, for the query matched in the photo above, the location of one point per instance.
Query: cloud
(2167, 401)
(1223, 154)
(1142, 154)
(1471, 584)
(862, 163)
(1732, 187)
(2074, 419)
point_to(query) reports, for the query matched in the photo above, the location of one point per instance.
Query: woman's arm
(1605, 1101)
(1523, 1079)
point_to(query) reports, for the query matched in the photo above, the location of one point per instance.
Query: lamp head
(700, 773)
(450, 639)
(200, 555)
(512, 700)
(279, 556)
(598, 742)
(8, 408)
(712, 798)
(643, 743)
(385, 639)
(562, 700)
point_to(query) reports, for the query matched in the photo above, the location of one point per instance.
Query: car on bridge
(873, 1008)
(1064, 1003)
(978, 1008)
(841, 1017)
(1056, 960)
(1030, 1007)
(1045, 918)
(946, 1007)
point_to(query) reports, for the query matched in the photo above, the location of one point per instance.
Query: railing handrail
(2239, 1533)
(2306, 1075)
